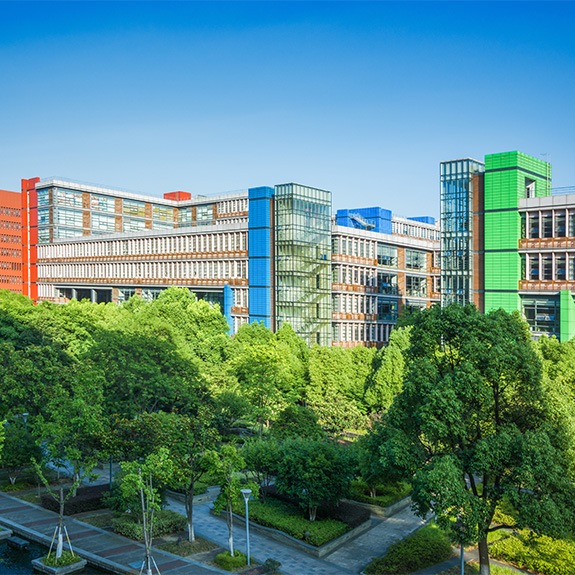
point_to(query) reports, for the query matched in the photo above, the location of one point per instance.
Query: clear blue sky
(363, 99)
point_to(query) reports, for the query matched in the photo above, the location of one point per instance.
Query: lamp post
(246, 493)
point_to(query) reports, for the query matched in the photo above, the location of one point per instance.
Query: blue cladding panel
(259, 243)
(260, 305)
(259, 213)
(228, 302)
(260, 254)
(423, 219)
(260, 272)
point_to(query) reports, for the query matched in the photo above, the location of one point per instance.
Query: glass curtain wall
(303, 261)
(457, 229)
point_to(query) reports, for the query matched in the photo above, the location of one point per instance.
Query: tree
(73, 427)
(19, 449)
(140, 478)
(297, 421)
(334, 392)
(314, 472)
(192, 437)
(472, 427)
(261, 458)
(225, 465)
(387, 379)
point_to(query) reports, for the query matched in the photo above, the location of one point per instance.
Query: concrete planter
(72, 568)
(294, 543)
(5, 533)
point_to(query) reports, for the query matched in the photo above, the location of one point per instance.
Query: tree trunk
(190, 511)
(12, 479)
(231, 529)
(312, 512)
(60, 537)
(484, 568)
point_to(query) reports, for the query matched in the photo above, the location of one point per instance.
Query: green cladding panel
(509, 177)
(566, 315)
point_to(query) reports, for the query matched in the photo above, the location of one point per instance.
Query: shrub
(229, 563)
(428, 546)
(347, 512)
(67, 558)
(386, 493)
(165, 522)
(87, 499)
(541, 554)
(289, 519)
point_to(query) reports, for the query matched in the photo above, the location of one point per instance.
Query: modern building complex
(508, 242)
(269, 254)
(277, 254)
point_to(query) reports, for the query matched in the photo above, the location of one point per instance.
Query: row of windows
(548, 224)
(361, 332)
(233, 206)
(10, 212)
(10, 266)
(548, 266)
(10, 280)
(7, 225)
(11, 252)
(10, 239)
(413, 230)
(148, 270)
(192, 243)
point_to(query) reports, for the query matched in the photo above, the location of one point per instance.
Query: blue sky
(360, 98)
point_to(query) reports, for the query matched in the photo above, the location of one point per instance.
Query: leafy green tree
(140, 479)
(74, 424)
(314, 472)
(297, 421)
(387, 378)
(265, 379)
(19, 449)
(192, 437)
(472, 426)
(333, 390)
(261, 458)
(371, 468)
(225, 465)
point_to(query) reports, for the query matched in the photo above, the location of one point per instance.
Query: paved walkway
(124, 556)
(349, 559)
(101, 548)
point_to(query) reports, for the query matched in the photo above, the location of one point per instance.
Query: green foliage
(297, 421)
(261, 458)
(336, 387)
(288, 519)
(19, 448)
(386, 494)
(389, 370)
(473, 409)
(427, 546)
(313, 472)
(67, 558)
(538, 554)
(229, 562)
(165, 523)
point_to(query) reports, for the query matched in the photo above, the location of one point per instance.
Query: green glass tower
(509, 177)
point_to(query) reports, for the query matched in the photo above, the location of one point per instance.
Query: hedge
(165, 522)
(87, 499)
(347, 512)
(427, 546)
(229, 563)
(288, 518)
(386, 494)
(541, 554)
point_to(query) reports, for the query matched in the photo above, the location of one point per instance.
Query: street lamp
(246, 493)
